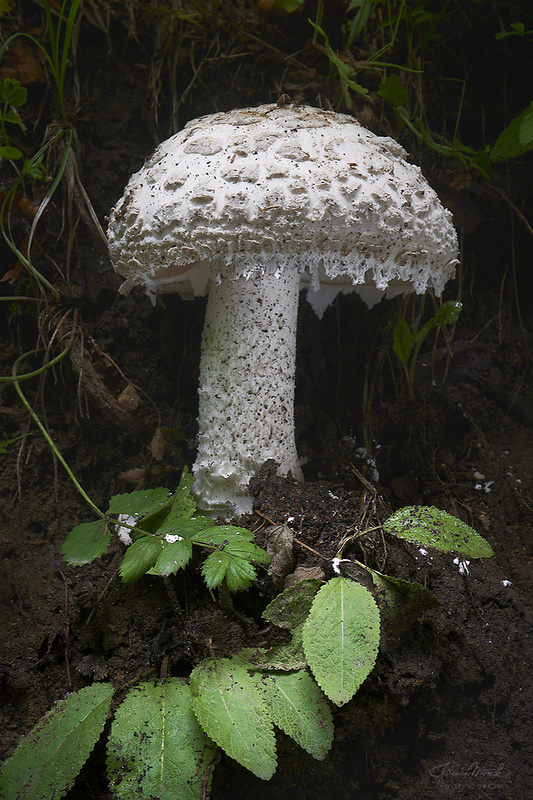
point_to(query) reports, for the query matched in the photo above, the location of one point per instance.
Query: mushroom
(250, 206)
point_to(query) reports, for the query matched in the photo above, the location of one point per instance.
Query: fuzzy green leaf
(430, 527)
(299, 708)
(156, 748)
(341, 637)
(230, 709)
(138, 504)
(85, 542)
(140, 557)
(47, 761)
(290, 608)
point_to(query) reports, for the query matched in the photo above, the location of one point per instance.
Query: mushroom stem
(246, 394)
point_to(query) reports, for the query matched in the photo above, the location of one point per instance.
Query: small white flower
(507, 583)
(171, 538)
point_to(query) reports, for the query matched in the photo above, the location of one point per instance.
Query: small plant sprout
(250, 207)
(407, 344)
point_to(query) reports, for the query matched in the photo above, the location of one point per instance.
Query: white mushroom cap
(251, 206)
(312, 188)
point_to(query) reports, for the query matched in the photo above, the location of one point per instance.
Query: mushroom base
(246, 395)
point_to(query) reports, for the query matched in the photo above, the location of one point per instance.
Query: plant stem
(45, 433)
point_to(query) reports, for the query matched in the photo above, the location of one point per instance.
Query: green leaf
(9, 153)
(12, 92)
(291, 608)
(400, 602)
(156, 748)
(299, 708)
(34, 168)
(85, 542)
(12, 117)
(393, 91)
(184, 528)
(140, 557)
(47, 761)
(233, 563)
(447, 314)
(7, 442)
(516, 139)
(233, 557)
(221, 534)
(518, 29)
(402, 340)
(173, 557)
(430, 527)
(183, 503)
(231, 711)
(139, 504)
(289, 656)
(289, 5)
(341, 637)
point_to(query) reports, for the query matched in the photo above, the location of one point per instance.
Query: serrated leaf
(12, 92)
(184, 528)
(233, 558)
(230, 709)
(140, 557)
(12, 117)
(400, 602)
(173, 557)
(341, 637)
(299, 708)
(220, 534)
(156, 748)
(291, 608)
(138, 504)
(430, 527)
(85, 542)
(49, 758)
(232, 565)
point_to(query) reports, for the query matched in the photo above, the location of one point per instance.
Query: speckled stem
(246, 410)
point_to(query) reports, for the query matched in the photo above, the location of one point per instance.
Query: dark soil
(446, 712)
